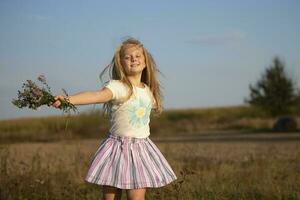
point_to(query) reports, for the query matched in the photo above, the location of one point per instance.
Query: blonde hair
(148, 77)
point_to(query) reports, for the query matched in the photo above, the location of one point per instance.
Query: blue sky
(208, 51)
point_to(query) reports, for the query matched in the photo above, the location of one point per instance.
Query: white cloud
(218, 39)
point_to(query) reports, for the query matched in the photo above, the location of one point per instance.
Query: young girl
(127, 158)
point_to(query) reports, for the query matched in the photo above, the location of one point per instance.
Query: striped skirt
(129, 163)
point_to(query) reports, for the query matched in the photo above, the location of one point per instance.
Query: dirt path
(231, 137)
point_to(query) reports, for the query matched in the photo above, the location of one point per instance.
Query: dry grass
(39, 159)
(214, 170)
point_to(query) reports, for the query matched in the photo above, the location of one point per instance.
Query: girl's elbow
(104, 96)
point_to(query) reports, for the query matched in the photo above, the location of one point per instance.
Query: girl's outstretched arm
(86, 97)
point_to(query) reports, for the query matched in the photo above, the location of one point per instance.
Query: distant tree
(275, 92)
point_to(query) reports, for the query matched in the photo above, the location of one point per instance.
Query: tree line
(275, 92)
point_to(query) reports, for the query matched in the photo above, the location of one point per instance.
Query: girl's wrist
(67, 99)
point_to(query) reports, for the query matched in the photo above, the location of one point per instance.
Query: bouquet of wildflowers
(34, 96)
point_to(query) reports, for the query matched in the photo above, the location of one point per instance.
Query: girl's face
(133, 60)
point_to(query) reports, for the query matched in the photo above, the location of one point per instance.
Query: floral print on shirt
(139, 111)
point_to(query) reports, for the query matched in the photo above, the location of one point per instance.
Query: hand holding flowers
(34, 96)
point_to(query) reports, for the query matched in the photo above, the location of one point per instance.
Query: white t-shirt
(130, 118)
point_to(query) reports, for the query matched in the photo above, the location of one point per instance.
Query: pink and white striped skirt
(129, 163)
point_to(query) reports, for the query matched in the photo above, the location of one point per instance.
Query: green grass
(170, 123)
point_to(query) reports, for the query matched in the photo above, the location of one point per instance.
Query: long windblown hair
(149, 74)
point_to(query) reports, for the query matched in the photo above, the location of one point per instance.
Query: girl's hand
(57, 102)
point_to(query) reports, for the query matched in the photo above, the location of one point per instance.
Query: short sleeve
(116, 87)
(153, 101)
(154, 106)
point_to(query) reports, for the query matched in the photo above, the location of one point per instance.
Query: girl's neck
(136, 80)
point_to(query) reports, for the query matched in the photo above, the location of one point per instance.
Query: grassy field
(217, 153)
(174, 122)
(206, 170)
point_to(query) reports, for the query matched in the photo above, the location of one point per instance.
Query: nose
(133, 58)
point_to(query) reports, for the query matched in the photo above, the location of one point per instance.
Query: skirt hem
(131, 186)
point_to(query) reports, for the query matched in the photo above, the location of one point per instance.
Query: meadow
(220, 153)
(93, 125)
